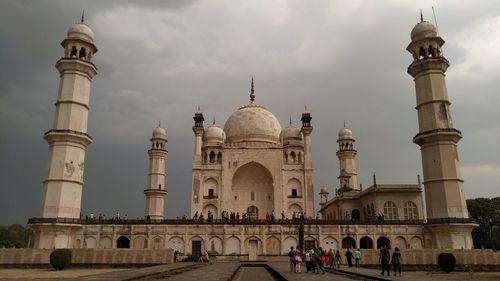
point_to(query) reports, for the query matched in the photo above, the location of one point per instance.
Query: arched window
(383, 241)
(212, 157)
(159, 186)
(299, 157)
(219, 157)
(252, 196)
(83, 54)
(366, 243)
(253, 212)
(292, 156)
(123, 242)
(73, 52)
(410, 211)
(355, 215)
(348, 243)
(421, 53)
(390, 211)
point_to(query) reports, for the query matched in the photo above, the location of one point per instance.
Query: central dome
(252, 123)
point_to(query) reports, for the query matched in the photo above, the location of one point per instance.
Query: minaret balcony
(440, 64)
(440, 134)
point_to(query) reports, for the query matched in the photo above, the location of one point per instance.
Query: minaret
(156, 191)
(308, 168)
(68, 138)
(437, 138)
(198, 133)
(348, 178)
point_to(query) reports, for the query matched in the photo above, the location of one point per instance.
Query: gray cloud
(159, 60)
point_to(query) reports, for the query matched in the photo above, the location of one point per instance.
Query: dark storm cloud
(159, 60)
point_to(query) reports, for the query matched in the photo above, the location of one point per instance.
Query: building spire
(252, 92)
(83, 16)
(421, 16)
(374, 179)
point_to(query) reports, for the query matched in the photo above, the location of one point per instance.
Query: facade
(255, 167)
(252, 166)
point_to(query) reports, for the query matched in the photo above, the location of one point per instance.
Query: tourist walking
(298, 261)
(396, 261)
(292, 259)
(348, 255)
(357, 257)
(338, 258)
(384, 260)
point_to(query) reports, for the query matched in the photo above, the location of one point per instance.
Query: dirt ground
(42, 273)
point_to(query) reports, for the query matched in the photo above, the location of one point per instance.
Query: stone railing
(224, 221)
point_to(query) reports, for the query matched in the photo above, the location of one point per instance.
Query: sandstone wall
(88, 256)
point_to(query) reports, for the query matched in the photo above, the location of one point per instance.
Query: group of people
(386, 258)
(101, 217)
(314, 260)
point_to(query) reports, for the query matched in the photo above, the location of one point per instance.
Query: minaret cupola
(79, 42)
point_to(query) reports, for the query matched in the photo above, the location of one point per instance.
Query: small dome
(81, 31)
(345, 133)
(422, 30)
(214, 133)
(291, 132)
(324, 190)
(252, 123)
(159, 132)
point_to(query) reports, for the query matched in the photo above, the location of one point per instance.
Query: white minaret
(348, 178)
(68, 141)
(68, 138)
(156, 191)
(447, 215)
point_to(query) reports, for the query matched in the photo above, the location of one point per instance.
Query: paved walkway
(284, 269)
(426, 275)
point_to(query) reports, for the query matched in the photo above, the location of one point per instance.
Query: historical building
(255, 166)
(252, 166)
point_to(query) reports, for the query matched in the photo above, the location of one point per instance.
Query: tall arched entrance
(123, 242)
(253, 187)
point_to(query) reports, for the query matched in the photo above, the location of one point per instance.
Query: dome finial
(421, 16)
(83, 16)
(291, 121)
(252, 92)
(159, 123)
(213, 121)
(344, 124)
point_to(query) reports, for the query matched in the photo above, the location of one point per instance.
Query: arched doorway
(348, 243)
(355, 215)
(366, 243)
(252, 185)
(383, 241)
(123, 242)
(253, 212)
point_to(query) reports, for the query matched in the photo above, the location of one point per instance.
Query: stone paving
(284, 269)
(225, 270)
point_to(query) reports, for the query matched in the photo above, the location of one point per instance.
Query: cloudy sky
(159, 60)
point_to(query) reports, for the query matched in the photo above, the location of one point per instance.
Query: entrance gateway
(196, 249)
(252, 250)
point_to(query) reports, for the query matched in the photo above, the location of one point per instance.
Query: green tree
(486, 212)
(14, 236)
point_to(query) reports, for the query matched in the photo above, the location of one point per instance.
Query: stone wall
(88, 256)
(429, 257)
